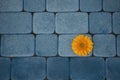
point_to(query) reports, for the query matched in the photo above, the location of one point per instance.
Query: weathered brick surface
(90, 5)
(5, 68)
(43, 23)
(113, 68)
(71, 23)
(87, 68)
(12, 23)
(34, 5)
(104, 45)
(100, 23)
(62, 5)
(17, 45)
(57, 68)
(33, 68)
(11, 5)
(46, 45)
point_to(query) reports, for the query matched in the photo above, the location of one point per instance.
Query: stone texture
(32, 68)
(12, 23)
(104, 45)
(71, 23)
(87, 68)
(34, 5)
(113, 68)
(4, 68)
(116, 23)
(90, 5)
(11, 5)
(62, 5)
(43, 23)
(46, 45)
(111, 5)
(118, 45)
(100, 23)
(17, 45)
(57, 68)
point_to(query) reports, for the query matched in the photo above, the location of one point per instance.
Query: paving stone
(15, 23)
(65, 48)
(11, 5)
(46, 45)
(100, 22)
(104, 45)
(72, 22)
(90, 5)
(43, 23)
(87, 68)
(118, 45)
(32, 68)
(116, 23)
(4, 68)
(34, 5)
(62, 5)
(113, 69)
(17, 45)
(57, 68)
(111, 5)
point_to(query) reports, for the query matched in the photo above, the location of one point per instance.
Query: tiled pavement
(36, 38)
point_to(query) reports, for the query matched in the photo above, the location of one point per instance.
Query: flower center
(82, 45)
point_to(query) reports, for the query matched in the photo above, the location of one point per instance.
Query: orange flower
(82, 45)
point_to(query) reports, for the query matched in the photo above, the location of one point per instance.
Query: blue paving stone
(34, 5)
(62, 5)
(43, 23)
(32, 68)
(46, 45)
(17, 45)
(57, 68)
(90, 5)
(100, 22)
(87, 69)
(118, 45)
(4, 68)
(116, 23)
(65, 48)
(72, 22)
(11, 5)
(113, 68)
(15, 23)
(104, 45)
(111, 5)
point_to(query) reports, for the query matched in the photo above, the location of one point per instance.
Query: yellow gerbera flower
(82, 45)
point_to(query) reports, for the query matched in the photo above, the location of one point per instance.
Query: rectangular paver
(71, 23)
(17, 45)
(104, 45)
(11, 5)
(12, 23)
(111, 5)
(100, 22)
(34, 5)
(57, 68)
(90, 5)
(43, 23)
(31, 68)
(87, 69)
(4, 68)
(116, 23)
(46, 45)
(65, 48)
(62, 5)
(113, 69)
